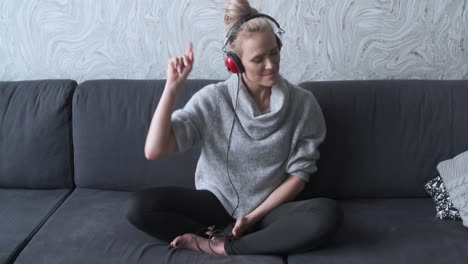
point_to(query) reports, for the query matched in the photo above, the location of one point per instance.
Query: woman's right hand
(242, 224)
(179, 68)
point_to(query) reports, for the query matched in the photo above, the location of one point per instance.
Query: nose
(269, 63)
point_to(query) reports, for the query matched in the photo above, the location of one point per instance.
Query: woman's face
(260, 57)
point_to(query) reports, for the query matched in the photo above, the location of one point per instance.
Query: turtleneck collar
(256, 124)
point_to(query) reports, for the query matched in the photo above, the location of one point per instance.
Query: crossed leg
(180, 216)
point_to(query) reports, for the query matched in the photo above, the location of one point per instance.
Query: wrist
(172, 87)
(253, 217)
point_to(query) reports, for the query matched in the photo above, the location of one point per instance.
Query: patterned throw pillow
(444, 207)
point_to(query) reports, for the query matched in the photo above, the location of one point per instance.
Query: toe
(175, 242)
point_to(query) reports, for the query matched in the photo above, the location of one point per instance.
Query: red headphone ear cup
(231, 64)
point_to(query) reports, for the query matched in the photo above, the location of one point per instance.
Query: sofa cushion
(392, 231)
(90, 227)
(110, 123)
(385, 138)
(22, 212)
(35, 134)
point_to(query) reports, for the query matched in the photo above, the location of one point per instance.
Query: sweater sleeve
(187, 123)
(309, 133)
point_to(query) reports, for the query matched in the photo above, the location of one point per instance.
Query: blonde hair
(237, 9)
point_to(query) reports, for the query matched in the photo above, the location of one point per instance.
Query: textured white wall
(324, 40)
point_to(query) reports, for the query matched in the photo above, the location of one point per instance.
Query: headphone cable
(229, 144)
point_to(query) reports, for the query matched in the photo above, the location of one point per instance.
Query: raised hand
(179, 68)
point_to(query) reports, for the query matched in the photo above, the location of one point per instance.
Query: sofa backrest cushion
(385, 138)
(110, 123)
(35, 134)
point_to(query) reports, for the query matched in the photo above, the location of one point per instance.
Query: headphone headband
(244, 19)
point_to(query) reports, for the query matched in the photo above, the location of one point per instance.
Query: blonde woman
(259, 136)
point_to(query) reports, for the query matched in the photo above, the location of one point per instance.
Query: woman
(259, 137)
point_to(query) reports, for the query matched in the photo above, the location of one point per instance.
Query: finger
(189, 51)
(187, 67)
(186, 60)
(238, 232)
(235, 230)
(172, 66)
(174, 63)
(179, 65)
(182, 63)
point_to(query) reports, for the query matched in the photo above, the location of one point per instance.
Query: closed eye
(259, 58)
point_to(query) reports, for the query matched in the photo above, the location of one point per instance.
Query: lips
(270, 75)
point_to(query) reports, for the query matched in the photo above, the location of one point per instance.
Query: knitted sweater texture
(265, 147)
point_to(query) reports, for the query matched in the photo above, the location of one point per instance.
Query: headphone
(232, 61)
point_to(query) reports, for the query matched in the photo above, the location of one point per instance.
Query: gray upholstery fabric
(186, 256)
(35, 134)
(110, 122)
(90, 227)
(402, 231)
(385, 138)
(21, 213)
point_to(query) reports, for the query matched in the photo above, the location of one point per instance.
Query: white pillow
(454, 173)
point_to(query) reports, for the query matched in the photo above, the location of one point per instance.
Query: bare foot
(215, 246)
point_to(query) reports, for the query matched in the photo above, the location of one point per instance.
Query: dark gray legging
(293, 227)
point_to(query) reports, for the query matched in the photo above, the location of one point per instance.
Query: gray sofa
(71, 154)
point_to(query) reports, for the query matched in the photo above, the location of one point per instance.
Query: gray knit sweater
(265, 147)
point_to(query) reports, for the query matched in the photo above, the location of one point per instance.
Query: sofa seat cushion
(91, 227)
(392, 231)
(22, 212)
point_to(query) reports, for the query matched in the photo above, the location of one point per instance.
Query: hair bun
(236, 9)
